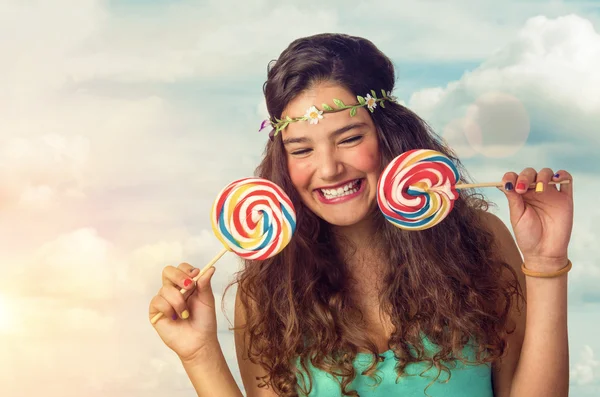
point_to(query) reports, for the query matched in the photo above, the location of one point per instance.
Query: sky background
(120, 121)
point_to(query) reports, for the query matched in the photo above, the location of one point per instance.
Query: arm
(544, 365)
(210, 374)
(193, 338)
(537, 361)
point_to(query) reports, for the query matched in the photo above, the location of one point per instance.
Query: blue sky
(121, 120)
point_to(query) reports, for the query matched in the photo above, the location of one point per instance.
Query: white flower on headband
(313, 115)
(371, 102)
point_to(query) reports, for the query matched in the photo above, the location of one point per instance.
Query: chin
(342, 222)
(345, 220)
(346, 215)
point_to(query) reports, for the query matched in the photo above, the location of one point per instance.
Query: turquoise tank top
(466, 380)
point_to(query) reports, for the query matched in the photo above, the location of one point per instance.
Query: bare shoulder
(248, 370)
(503, 238)
(504, 369)
(506, 247)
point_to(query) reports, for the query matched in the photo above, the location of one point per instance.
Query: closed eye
(352, 139)
(300, 152)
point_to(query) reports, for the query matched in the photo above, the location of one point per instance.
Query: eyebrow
(335, 133)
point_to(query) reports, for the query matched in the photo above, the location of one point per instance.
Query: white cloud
(585, 371)
(546, 75)
(44, 36)
(38, 172)
(549, 57)
(190, 49)
(92, 305)
(448, 31)
(78, 265)
(147, 262)
(495, 125)
(60, 317)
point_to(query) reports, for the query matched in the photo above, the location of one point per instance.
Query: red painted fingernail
(521, 186)
(187, 282)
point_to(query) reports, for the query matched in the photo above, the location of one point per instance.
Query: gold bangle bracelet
(547, 275)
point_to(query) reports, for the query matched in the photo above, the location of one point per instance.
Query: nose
(330, 166)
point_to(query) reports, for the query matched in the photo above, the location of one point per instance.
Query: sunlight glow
(6, 315)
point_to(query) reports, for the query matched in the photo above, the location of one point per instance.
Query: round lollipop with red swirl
(417, 190)
(254, 218)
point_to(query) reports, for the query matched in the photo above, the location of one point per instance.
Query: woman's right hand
(189, 321)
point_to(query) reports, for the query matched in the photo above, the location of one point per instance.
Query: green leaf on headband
(361, 100)
(353, 112)
(327, 107)
(382, 104)
(339, 103)
(383, 93)
(288, 118)
(373, 93)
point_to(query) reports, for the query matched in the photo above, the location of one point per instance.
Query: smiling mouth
(342, 191)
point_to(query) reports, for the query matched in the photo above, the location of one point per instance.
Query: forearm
(210, 374)
(543, 368)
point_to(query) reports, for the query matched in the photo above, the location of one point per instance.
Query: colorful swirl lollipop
(417, 190)
(254, 218)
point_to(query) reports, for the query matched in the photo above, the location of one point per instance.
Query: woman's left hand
(541, 220)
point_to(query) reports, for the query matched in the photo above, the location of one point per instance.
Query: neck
(362, 239)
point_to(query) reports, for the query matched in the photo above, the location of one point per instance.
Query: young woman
(354, 306)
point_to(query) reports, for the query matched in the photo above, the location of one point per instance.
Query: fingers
(159, 304)
(178, 285)
(529, 180)
(561, 176)
(205, 279)
(515, 201)
(518, 185)
(544, 176)
(171, 303)
(525, 178)
(530, 184)
(509, 180)
(181, 276)
(186, 267)
(176, 300)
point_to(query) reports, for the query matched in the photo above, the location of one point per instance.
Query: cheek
(366, 158)
(300, 173)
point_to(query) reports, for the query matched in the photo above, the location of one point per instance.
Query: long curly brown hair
(447, 282)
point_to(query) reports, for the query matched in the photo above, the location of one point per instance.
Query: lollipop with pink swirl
(417, 189)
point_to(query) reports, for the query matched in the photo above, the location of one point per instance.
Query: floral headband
(313, 115)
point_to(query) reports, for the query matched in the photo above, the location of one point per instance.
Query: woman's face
(334, 164)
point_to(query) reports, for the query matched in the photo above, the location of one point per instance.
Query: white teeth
(345, 190)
